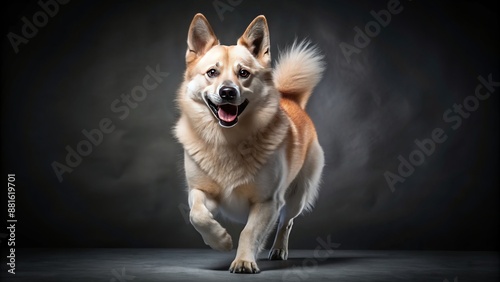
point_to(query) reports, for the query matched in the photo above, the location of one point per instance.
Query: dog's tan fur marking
(301, 132)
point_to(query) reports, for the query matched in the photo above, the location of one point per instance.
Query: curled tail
(298, 71)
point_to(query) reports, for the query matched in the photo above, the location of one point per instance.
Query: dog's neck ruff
(231, 165)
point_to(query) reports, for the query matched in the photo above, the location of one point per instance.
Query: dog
(251, 151)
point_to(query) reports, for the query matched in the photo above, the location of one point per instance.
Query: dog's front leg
(203, 221)
(261, 218)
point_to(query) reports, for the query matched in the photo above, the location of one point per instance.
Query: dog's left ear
(201, 38)
(256, 40)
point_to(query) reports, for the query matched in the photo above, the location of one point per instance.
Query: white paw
(222, 242)
(244, 266)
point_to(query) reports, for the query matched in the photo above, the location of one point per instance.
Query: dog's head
(226, 83)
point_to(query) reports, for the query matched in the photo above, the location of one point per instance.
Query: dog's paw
(223, 243)
(278, 254)
(243, 266)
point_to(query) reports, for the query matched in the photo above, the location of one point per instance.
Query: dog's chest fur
(237, 164)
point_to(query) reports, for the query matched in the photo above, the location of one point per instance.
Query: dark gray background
(130, 191)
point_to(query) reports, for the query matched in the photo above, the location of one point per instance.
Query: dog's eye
(244, 73)
(212, 73)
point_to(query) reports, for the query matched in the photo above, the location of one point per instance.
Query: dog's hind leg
(292, 209)
(300, 195)
(201, 218)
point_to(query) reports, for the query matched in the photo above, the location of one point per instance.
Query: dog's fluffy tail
(298, 71)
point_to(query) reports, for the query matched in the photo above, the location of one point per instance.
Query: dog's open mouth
(227, 114)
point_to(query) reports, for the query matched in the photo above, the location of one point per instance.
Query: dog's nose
(228, 93)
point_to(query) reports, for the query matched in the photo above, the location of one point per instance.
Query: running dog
(251, 151)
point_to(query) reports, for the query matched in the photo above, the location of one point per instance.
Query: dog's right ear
(201, 38)
(256, 40)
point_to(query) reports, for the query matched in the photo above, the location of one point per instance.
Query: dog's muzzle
(227, 112)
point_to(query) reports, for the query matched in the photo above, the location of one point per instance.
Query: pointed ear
(201, 38)
(256, 40)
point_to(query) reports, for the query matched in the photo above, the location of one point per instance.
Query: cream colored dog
(250, 149)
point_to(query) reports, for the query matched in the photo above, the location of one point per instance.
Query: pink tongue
(228, 113)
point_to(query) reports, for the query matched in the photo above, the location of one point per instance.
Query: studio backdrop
(407, 114)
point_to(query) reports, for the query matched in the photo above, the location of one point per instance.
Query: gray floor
(120, 265)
